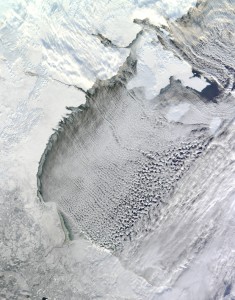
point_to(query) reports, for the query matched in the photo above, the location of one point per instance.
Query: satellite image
(117, 149)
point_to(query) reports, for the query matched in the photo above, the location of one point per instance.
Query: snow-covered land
(155, 139)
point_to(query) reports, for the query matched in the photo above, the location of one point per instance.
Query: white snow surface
(169, 8)
(52, 40)
(156, 65)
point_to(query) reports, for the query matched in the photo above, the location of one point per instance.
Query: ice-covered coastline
(43, 71)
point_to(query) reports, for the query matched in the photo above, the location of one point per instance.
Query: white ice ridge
(155, 66)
